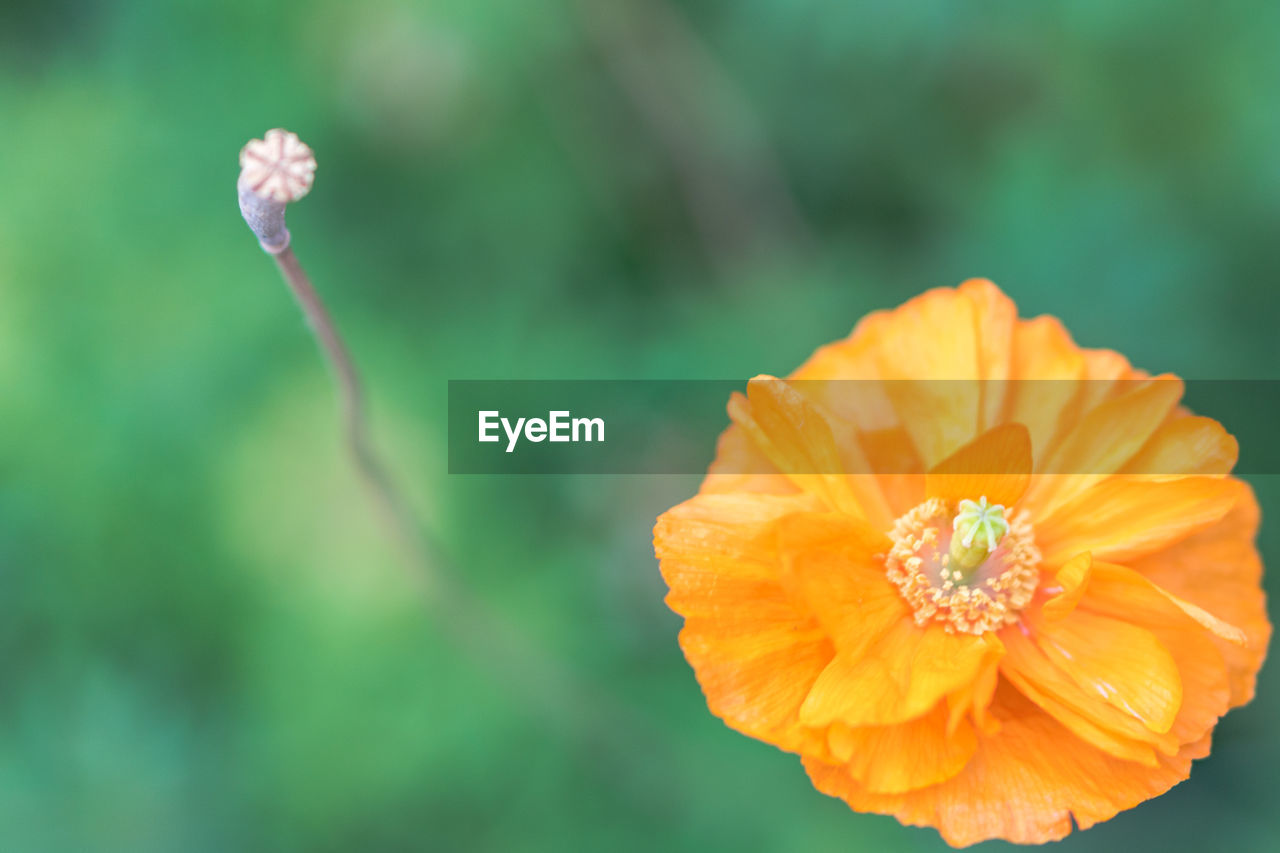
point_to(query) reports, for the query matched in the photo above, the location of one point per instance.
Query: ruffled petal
(996, 465)
(1046, 367)
(1102, 442)
(1124, 664)
(1020, 785)
(1036, 676)
(1122, 518)
(1069, 585)
(933, 337)
(1125, 593)
(798, 438)
(1119, 593)
(897, 679)
(905, 757)
(1218, 569)
(973, 699)
(995, 317)
(740, 466)
(1187, 445)
(755, 652)
(829, 565)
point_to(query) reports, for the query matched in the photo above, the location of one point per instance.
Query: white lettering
(513, 435)
(560, 426)
(587, 424)
(486, 424)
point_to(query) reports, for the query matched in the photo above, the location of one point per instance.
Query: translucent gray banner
(1152, 426)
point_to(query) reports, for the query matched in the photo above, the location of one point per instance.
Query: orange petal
(754, 651)
(1023, 785)
(845, 377)
(1121, 518)
(828, 564)
(995, 316)
(928, 348)
(1105, 375)
(1084, 711)
(740, 466)
(1046, 365)
(711, 536)
(1085, 716)
(996, 465)
(894, 452)
(894, 759)
(1218, 569)
(974, 697)
(1185, 446)
(1124, 664)
(1103, 441)
(899, 678)
(756, 691)
(1072, 579)
(797, 436)
(1123, 592)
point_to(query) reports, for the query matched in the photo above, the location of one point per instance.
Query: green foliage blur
(206, 642)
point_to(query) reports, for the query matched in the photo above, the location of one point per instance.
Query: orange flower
(984, 607)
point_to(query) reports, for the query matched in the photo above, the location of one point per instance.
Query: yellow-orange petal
(712, 536)
(1123, 518)
(829, 566)
(1103, 441)
(1218, 569)
(756, 691)
(1033, 673)
(897, 679)
(755, 652)
(1120, 593)
(1124, 593)
(1124, 664)
(902, 480)
(1082, 724)
(1020, 785)
(974, 697)
(995, 465)
(740, 466)
(1187, 445)
(798, 437)
(1070, 581)
(931, 342)
(1046, 367)
(1106, 375)
(904, 757)
(995, 316)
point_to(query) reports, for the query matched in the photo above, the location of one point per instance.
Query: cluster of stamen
(971, 594)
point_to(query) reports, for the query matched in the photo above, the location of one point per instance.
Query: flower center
(966, 566)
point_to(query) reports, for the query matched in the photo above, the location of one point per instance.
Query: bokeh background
(205, 641)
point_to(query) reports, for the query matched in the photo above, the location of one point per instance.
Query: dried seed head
(279, 167)
(274, 171)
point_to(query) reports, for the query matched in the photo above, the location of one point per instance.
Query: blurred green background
(205, 643)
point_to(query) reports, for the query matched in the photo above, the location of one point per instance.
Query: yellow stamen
(973, 587)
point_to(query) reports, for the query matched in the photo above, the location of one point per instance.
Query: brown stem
(552, 689)
(391, 504)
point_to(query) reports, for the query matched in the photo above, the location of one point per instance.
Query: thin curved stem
(543, 683)
(391, 504)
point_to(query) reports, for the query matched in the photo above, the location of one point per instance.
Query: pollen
(986, 586)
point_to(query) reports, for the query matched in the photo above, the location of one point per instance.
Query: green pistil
(978, 529)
